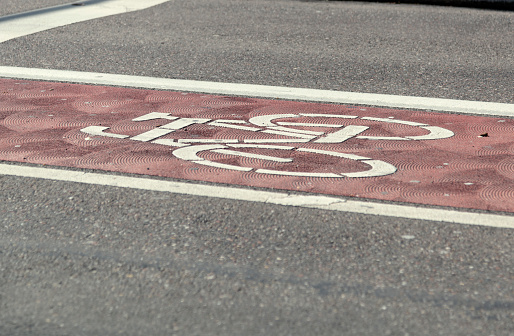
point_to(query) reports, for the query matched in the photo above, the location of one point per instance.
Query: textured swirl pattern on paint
(41, 123)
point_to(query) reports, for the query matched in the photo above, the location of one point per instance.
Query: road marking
(263, 91)
(378, 168)
(321, 202)
(151, 132)
(278, 198)
(17, 25)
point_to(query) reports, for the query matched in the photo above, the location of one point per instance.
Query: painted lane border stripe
(262, 91)
(21, 24)
(278, 198)
(317, 202)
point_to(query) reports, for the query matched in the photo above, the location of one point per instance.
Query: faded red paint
(41, 122)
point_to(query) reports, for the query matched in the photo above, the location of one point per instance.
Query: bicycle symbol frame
(188, 149)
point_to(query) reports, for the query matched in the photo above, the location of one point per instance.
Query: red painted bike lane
(378, 153)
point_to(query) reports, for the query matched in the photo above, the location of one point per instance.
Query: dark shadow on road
(49, 9)
(504, 5)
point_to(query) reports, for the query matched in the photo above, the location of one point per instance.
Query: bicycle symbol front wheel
(191, 153)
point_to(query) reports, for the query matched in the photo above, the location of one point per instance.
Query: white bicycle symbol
(188, 149)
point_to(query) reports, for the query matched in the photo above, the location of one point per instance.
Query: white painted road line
(278, 198)
(22, 24)
(262, 91)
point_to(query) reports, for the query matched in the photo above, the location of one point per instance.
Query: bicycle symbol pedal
(288, 132)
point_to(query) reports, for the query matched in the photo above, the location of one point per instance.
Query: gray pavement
(441, 52)
(90, 260)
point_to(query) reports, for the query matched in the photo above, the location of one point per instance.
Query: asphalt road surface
(91, 259)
